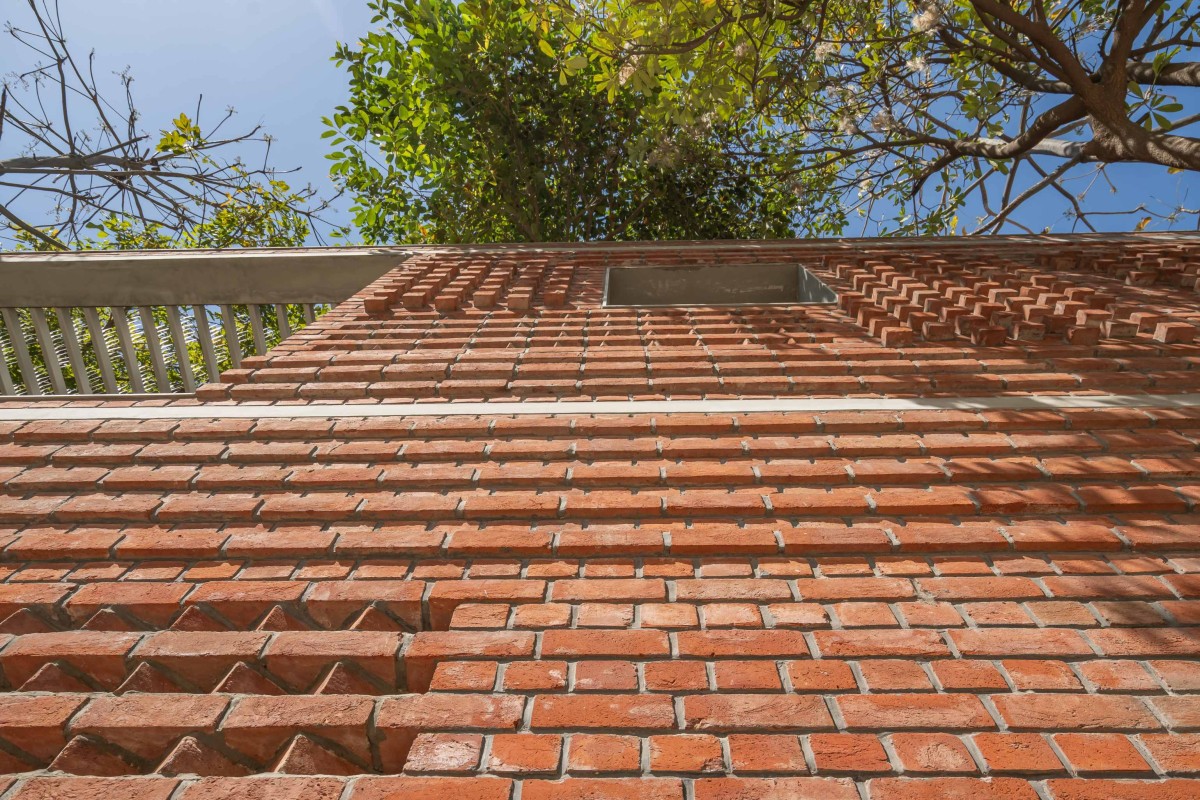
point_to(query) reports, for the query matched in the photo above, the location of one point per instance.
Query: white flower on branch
(883, 121)
(927, 18)
(824, 50)
(848, 126)
(917, 64)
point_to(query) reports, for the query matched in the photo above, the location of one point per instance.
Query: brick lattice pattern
(995, 605)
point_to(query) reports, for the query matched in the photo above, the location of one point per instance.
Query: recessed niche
(715, 285)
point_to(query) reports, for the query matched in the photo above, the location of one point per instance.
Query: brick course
(961, 603)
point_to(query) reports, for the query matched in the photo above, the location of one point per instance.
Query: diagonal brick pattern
(913, 604)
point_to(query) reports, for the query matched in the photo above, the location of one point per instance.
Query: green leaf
(545, 47)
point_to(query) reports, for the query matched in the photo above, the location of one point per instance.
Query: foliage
(462, 126)
(54, 345)
(922, 107)
(85, 169)
(258, 219)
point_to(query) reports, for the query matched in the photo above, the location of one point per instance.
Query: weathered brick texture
(885, 605)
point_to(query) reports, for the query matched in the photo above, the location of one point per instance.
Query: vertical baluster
(180, 344)
(232, 342)
(212, 367)
(66, 325)
(281, 316)
(128, 350)
(16, 335)
(49, 353)
(6, 383)
(100, 348)
(157, 362)
(310, 315)
(256, 329)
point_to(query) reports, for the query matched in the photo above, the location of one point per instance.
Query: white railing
(160, 322)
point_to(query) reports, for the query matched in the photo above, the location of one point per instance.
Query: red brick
(1092, 753)
(100, 508)
(409, 505)
(932, 754)
(818, 502)
(80, 543)
(1180, 713)
(603, 752)
(144, 724)
(958, 589)
(968, 676)
(606, 788)
(829, 540)
(914, 711)
(759, 643)
(80, 788)
(695, 753)
(1122, 790)
(36, 722)
(524, 754)
(582, 712)
(750, 752)
(1032, 675)
(1016, 642)
(734, 712)
(15, 597)
(243, 602)
(98, 654)
(609, 590)
(1175, 753)
(153, 602)
(572, 644)
(775, 789)
(298, 658)
(747, 676)
(820, 676)
(429, 648)
(332, 603)
(201, 656)
(1017, 753)
(951, 789)
(894, 675)
(447, 595)
(1032, 500)
(1107, 587)
(825, 589)
(674, 676)
(848, 753)
(1073, 712)
(419, 788)
(936, 501)
(868, 643)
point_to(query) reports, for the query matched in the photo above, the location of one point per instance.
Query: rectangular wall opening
(714, 285)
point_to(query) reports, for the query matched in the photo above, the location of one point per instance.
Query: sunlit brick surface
(883, 605)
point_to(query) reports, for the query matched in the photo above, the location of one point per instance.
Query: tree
(87, 173)
(86, 176)
(266, 223)
(923, 107)
(462, 125)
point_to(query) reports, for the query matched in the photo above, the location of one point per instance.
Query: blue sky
(270, 59)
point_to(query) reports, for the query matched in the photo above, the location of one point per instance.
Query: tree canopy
(922, 107)
(466, 123)
(85, 173)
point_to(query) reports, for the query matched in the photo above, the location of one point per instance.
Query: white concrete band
(593, 407)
